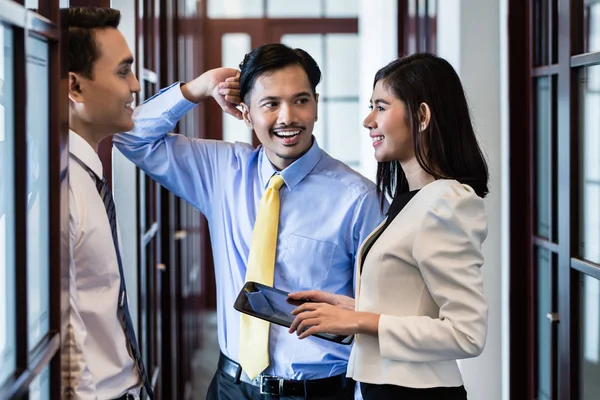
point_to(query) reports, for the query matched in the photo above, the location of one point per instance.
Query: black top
(397, 205)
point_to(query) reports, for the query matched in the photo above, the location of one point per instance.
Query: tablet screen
(275, 306)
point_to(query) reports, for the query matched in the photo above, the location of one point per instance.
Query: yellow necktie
(254, 332)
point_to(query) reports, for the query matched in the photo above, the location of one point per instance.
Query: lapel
(359, 261)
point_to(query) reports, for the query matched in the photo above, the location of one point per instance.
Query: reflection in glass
(591, 26)
(294, 9)
(7, 218)
(40, 386)
(341, 65)
(589, 351)
(235, 9)
(234, 46)
(37, 189)
(590, 167)
(543, 162)
(544, 326)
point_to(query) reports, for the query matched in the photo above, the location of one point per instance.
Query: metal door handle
(553, 317)
(181, 234)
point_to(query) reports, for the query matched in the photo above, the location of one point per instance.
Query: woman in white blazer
(419, 294)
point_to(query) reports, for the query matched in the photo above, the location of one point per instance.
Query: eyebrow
(272, 98)
(126, 61)
(380, 101)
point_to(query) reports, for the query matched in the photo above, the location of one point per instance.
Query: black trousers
(379, 392)
(223, 387)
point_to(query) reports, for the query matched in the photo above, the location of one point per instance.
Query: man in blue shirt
(327, 209)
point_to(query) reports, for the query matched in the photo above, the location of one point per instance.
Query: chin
(125, 127)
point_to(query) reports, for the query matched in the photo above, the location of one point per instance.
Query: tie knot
(276, 182)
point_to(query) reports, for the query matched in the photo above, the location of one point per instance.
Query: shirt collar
(293, 174)
(84, 152)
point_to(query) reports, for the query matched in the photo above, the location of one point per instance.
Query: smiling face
(282, 110)
(103, 101)
(388, 126)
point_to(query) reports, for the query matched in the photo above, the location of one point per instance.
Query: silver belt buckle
(261, 384)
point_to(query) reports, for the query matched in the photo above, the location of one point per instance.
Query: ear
(317, 103)
(246, 115)
(424, 116)
(75, 88)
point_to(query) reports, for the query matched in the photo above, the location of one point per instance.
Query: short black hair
(448, 147)
(81, 22)
(269, 58)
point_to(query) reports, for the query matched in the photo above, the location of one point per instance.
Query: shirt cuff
(172, 99)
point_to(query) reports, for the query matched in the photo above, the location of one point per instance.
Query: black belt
(276, 386)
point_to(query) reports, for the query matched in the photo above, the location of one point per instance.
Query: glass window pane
(343, 130)
(543, 161)
(234, 46)
(590, 167)
(32, 4)
(589, 339)
(341, 65)
(7, 256)
(235, 9)
(341, 8)
(40, 386)
(37, 189)
(294, 9)
(591, 24)
(63, 3)
(544, 349)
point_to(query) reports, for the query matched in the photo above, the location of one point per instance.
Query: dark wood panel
(521, 214)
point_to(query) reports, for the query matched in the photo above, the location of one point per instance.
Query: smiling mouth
(287, 134)
(376, 138)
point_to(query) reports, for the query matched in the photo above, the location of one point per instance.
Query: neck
(87, 132)
(415, 175)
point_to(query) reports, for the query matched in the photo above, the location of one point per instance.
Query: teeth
(377, 138)
(287, 133)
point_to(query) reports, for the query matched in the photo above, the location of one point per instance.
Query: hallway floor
(205, 360)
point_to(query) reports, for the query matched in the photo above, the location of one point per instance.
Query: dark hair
(269, 58)
(448, 148)
(82, 21)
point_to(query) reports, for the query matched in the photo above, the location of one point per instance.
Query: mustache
(291, 126)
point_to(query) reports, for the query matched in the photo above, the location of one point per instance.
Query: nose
(135, 85)
(369, 122)
(286, 115)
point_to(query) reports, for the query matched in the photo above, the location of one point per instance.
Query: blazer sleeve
(447, 250)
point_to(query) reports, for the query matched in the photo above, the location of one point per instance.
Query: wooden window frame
(46, 353)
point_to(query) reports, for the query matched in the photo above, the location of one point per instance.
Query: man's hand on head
(222, 84)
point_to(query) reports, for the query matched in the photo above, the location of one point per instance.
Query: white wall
(378, 41)
(470, 38)
(124, 181)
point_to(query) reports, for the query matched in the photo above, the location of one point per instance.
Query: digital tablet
(275, 306)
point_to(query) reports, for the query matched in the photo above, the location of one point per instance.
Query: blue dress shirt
(327, 210)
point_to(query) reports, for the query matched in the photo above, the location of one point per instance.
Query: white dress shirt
(101, 366)
(423, 276)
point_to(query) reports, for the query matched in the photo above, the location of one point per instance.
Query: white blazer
(423, 276)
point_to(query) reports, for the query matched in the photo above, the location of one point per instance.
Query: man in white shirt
(104, 358)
